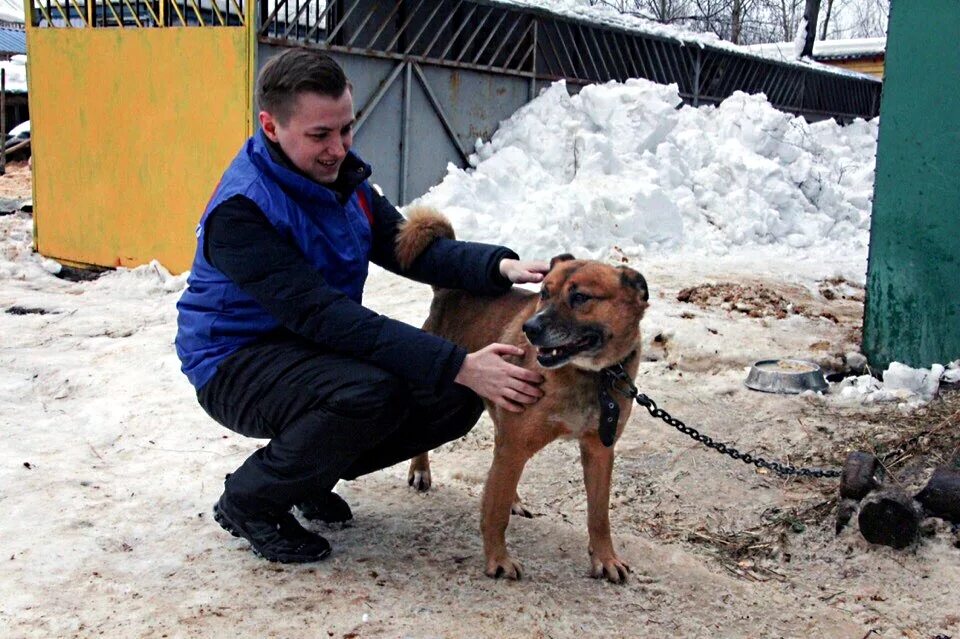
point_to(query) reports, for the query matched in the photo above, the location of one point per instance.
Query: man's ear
(633, 279)
(565, 257)
(268, 124)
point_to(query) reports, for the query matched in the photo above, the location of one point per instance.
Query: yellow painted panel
(132, 128)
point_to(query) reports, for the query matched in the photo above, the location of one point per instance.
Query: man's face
(317, 135)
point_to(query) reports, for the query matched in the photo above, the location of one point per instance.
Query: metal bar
(363, 23)
(136, 18)
(533, 66)
(475, 33)
(436, 8)
(396, 7)
(296, 19)
(596, 45)
(405, 130)
(655, 47)
(573, 42)
(504, 40)
(696, 78)
(523, 38)
(152, 14)
(89, 6)
(163, 16)
(623, 51)
(315, 30)
(641, 63)
(79, 11)
(403, 27)
(456, 35)
(45, 14)
(556, 56)
(271, 18)
(620, 69)
(236, 5)
(583, 38)
(176, 10)
(374, 99)
(444, 120)
(576, 50)
(216, 12)
(115, 16)
(493, 32)
(442, 27)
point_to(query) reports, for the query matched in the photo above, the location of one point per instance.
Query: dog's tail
(422, 226)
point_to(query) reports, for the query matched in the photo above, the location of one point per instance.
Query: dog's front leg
(498, 496)
(597, 462)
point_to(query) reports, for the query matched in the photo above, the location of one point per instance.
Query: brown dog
(586, 318)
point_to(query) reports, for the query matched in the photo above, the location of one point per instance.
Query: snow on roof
(825, 49)
(608, 16)
(11, 11)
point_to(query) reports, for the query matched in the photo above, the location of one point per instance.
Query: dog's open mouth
(557, 355)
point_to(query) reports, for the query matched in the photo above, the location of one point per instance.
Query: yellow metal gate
(136, 109)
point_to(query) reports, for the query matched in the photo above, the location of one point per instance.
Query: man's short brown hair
(297, 71)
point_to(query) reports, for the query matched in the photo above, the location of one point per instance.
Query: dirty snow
(109, 466)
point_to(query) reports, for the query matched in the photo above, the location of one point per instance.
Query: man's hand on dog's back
(524, 271)
(507, 385)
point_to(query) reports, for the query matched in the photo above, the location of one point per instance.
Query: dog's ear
(564, 257)
(633, 279)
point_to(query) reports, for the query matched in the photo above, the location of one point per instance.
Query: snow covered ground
(757, 220)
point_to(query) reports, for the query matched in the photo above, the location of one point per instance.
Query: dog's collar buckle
(609, 409)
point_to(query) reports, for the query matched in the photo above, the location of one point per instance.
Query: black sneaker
(273, 537)
(329, 508)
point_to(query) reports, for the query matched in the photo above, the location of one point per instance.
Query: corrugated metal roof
(13, 41)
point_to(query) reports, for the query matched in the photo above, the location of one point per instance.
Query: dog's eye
(544, 293)
(576, 299)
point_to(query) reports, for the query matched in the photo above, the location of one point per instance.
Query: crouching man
(273, 334)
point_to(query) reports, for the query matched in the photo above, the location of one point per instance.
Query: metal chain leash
(619, 376)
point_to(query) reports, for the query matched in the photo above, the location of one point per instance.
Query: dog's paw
(516, 508)
(505, 566)
(419, 479)
(611, 568)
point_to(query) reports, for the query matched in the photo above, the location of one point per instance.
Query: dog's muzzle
(557, 344)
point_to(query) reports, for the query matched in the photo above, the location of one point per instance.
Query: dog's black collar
(609, 409)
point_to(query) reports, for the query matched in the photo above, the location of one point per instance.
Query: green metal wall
(912, 313)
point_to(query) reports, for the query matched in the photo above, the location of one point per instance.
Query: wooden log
(862, 472)
(941, 496)
(890, 517)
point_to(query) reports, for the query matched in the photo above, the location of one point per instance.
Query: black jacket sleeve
(244, 246)
(470, 266)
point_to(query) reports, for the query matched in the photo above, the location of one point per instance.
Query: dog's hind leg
(597, 462)
(419, 474)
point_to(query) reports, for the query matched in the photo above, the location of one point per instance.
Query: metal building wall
(913, 277)
(413, 119)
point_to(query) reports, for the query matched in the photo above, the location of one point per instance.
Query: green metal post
(912, 313)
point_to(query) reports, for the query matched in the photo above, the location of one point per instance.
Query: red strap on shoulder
(365, 205)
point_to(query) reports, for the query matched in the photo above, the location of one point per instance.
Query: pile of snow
(619, 167)
(901, 383)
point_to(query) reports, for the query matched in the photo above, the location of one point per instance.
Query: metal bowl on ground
(790, 376)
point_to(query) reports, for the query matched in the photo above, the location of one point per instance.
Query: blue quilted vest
(216, 318)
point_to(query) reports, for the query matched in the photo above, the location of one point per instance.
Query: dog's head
(588, 315)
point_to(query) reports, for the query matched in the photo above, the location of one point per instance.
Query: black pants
(328, 417)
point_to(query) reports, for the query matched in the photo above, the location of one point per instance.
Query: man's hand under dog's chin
(524, 271)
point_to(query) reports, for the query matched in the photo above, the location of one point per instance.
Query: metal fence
(508, 39)
(137, 13)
